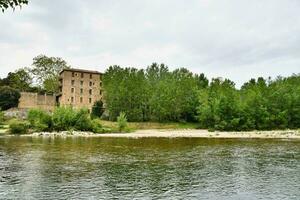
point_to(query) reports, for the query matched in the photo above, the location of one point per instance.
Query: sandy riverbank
(286, 134)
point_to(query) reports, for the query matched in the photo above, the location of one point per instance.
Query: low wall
(33, 100)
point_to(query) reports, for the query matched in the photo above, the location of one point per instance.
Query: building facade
(79, 88)
(30, 100)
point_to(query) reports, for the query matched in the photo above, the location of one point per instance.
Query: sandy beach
(188, 133)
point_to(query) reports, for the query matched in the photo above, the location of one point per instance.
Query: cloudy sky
(236, 39)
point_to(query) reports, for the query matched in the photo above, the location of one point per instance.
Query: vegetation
(257, 105)
(9, 97)
(97, 109)
(18, 127)
(40, 120)
(159, 95)
(1, 118)
(41, 77)
(154, 94)
(46, 71)
(122, 121)
(64, 119)
(5, 4)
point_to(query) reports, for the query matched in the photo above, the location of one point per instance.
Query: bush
(18, 127)
(64, 118)
(122, 121)
(9, 97)
(67, 119)
(82, 120)
(40, 120)
(2, 119)
(97, 109)
(97, 127)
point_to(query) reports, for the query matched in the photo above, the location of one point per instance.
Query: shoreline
(184, 133)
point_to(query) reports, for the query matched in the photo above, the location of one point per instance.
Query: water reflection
(103, 168)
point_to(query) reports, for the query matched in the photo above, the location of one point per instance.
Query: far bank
(176, 133)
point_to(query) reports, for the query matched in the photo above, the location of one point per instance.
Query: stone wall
(80, 89)
(33, 100)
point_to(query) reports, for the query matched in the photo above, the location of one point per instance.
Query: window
(90, 92)
(73, 74)
(72, 90)
(73, 82)
(100, 84)
(100, 92)
(80, 99)
(91, 83)
(72, 99)
(82, 75)
(81, 91)
(90, 100)
(91, 76)
(81, 83)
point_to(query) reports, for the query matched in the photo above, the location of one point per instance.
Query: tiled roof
(81, 70)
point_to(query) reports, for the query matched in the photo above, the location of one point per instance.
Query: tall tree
(9, 97)
(46, 72)
(5, 4)
(20, 79)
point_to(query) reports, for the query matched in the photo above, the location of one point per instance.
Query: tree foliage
(257, 105)
(5, 4)
(155, 94)
(9, 97)
(46, 71)
(97, 109)
(158, 94)
(21, 80)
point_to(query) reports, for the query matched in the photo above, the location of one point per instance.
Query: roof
(81, 71)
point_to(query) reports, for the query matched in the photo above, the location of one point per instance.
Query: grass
(3, 129)
(151, 125)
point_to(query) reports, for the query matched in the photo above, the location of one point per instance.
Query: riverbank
(279, 134)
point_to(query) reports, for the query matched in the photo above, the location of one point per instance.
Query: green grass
(151, 125)
(3, 129)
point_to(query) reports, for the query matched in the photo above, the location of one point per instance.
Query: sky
(235, 39)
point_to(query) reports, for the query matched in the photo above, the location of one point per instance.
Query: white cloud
(235, 39)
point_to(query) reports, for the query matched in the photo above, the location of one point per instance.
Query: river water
(120, 168)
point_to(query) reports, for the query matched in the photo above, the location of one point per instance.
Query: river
(149, 168)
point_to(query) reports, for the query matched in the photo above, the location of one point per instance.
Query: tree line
(41, 77)
(161, 95)
(158, 94)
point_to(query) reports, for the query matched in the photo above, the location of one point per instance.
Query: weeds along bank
(63, 119)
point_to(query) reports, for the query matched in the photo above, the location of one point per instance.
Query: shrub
(97, 127)
(2, 119)
(64, 118)
(97, 109)
(122, 121)
(18, 127)
(82, 120)
(9, 97)
(40, 120)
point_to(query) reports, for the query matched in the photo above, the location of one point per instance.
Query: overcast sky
(236, 39)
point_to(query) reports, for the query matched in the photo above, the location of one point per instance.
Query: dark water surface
(119, 168)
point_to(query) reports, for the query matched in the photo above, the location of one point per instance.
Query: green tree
(9, 97)
(5, 4)
(97, 109)
(46, 72)
(20, 79)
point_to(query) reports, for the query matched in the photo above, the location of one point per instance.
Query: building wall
(75, 90)
(30, 100)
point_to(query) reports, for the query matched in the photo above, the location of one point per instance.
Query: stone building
(79, 88)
